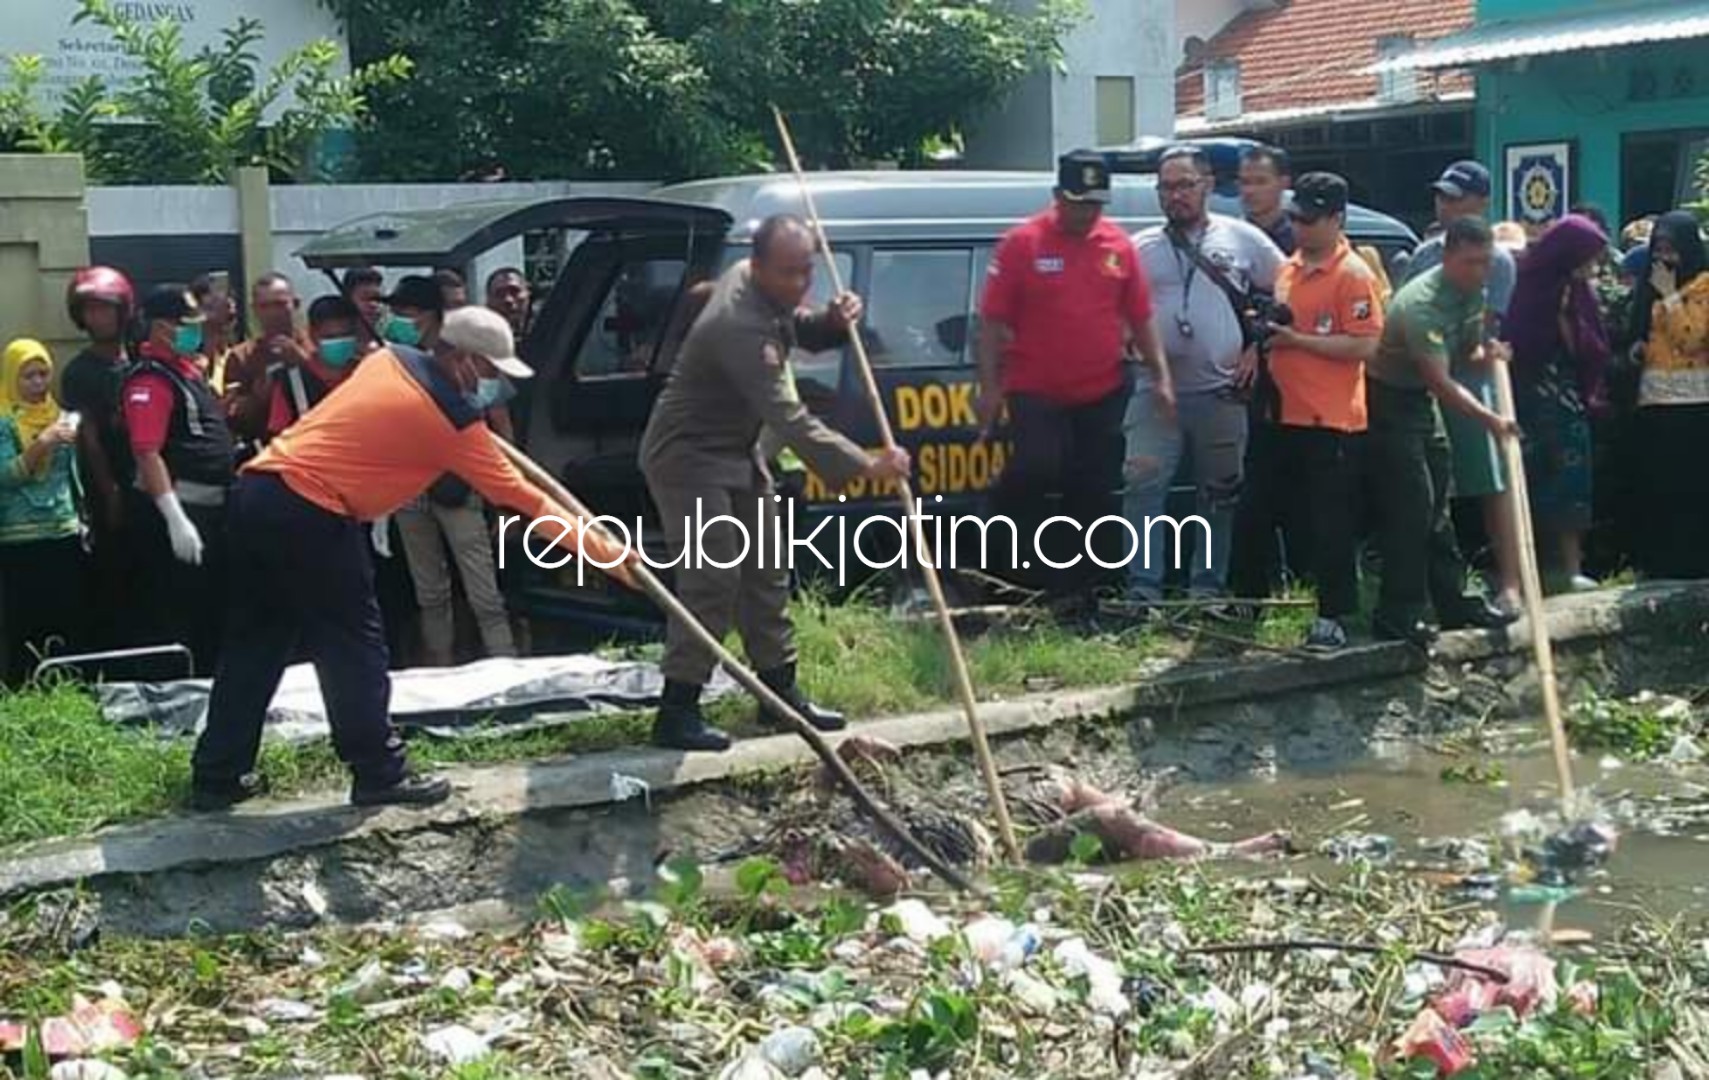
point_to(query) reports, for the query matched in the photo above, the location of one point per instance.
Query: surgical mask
(402, 331)
(488, 392)
(338, 351)
(187, 339)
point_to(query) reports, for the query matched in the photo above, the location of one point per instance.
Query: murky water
(1661, 865)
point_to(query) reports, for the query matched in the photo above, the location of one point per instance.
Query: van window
(917, 310)
(818, 374)
(635, 315)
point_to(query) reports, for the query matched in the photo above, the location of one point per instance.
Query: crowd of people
(1328, 416)
(1329, 413)
(115, 472)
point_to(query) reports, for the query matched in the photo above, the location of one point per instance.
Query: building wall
(1050, 113)
(1133, 39)
(43, 240)
(1585, 97)
(1489, 10)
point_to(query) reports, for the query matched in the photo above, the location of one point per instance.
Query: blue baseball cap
(1464, 180)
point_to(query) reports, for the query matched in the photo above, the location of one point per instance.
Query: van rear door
(599, 346)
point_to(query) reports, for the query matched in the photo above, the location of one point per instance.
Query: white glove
(382, 538)
(186, 541)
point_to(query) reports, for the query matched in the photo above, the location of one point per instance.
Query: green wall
(1587, 97)
(1525, 9)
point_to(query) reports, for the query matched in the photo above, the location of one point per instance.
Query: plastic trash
(457, 981)
(1530, 984)
(86, 1070)
(1431, 1038)
(1035, 996)
(1480, 888)
(286, 1011)
(1541, 894)
(916, 922)
(1104, 980)
(368, 985)
(455, 1044)
(791, 1050)
(90, 1028)
(999, 944)
(1145, 993)
(624, 788)
(1581, 846)
(1686, 751)
(1373, 848)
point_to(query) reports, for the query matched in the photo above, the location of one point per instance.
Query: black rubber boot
(410, 789)
(781, 681)
(680, 724)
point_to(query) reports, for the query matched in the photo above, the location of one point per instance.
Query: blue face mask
(337, 352)
(401, 331)
(488, 392)
(187, 339)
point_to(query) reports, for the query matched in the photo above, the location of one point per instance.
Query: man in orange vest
(300, 516)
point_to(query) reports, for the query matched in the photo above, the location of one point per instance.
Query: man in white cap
(299, 517)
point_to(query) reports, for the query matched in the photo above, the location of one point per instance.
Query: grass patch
(65, 770)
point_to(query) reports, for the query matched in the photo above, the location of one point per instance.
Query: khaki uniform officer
(730, 381)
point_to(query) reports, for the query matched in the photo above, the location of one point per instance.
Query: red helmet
(99, 283)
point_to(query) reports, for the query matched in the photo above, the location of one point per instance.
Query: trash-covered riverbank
(1067, 974)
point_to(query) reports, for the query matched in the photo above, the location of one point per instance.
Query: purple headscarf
(1533, 322)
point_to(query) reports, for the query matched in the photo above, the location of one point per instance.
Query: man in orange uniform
(299, 517)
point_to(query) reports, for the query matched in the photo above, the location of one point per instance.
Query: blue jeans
(1211, 428)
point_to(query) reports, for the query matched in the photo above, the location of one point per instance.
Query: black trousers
(299, 575)
(1073, 452)
(45, 602)
(1411, 478)
(177, 603)
(1306, 481)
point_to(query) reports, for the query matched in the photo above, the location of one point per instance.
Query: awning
(1509, 39)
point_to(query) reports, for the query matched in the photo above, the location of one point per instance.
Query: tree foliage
(192, 119)
(674, 88)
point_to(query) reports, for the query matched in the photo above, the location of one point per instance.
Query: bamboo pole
(1532, 585)
(656, 591)
(958, 660)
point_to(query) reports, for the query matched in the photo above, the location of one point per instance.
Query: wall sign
(72, 53)
(1539, 182)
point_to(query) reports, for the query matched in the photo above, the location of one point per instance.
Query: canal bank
(516, 831)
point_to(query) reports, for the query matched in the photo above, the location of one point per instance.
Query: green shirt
(34, 507)
(1429, 322)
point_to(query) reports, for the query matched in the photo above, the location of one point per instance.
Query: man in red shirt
(299, 551)
(184, 461)
(1065, 299)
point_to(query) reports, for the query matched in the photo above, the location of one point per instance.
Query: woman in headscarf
(41, 551)
(1671, 327)
(1560, 362)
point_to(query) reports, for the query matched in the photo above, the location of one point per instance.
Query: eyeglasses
(1179, 187)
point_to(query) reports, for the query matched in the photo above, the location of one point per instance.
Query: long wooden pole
(656, 591)
(957, 659)
(1531, 583)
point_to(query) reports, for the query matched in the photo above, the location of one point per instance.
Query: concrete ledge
(508, 791)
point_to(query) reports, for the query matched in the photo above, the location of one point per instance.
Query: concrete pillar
(44, 239)
(255, 227)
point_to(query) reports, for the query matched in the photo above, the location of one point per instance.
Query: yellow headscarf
(32, 420)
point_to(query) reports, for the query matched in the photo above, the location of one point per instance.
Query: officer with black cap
(185, 462)
(1065, 299)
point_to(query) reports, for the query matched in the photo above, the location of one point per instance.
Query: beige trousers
(428, 528)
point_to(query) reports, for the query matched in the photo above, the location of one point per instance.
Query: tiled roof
(1311, 52)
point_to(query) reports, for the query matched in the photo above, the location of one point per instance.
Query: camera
(1262, 312)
